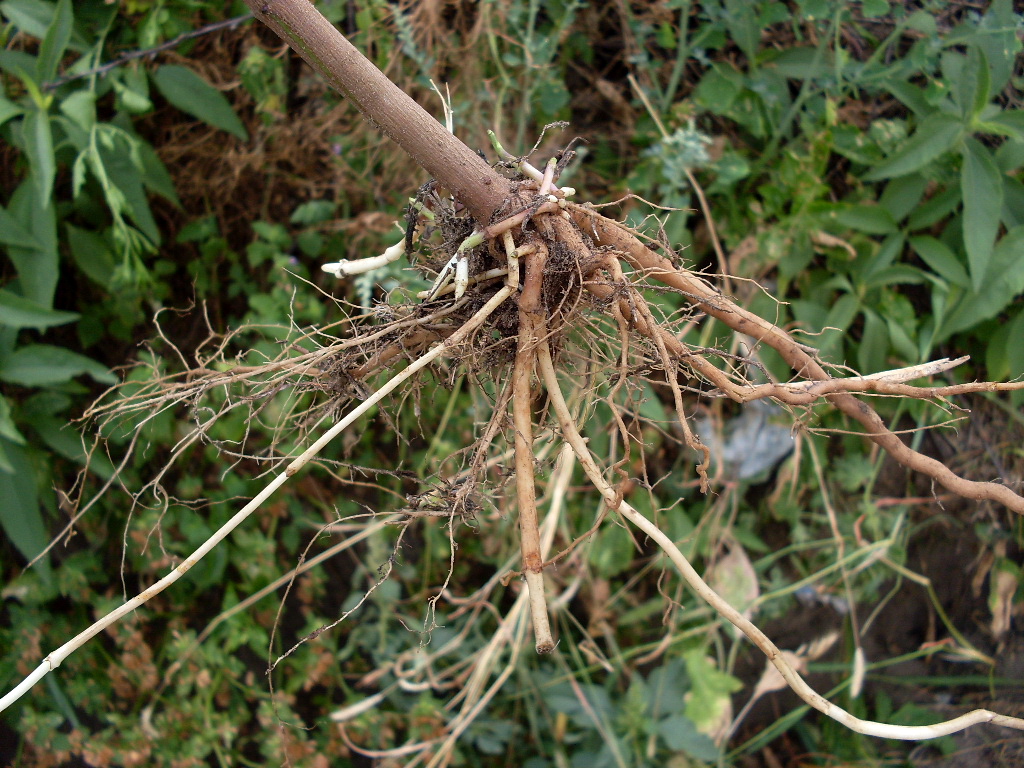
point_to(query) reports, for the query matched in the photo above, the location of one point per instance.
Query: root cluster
(552, 295)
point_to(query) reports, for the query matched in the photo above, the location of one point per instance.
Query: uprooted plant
(531, 290)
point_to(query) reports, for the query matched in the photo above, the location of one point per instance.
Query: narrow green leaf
(38, 365)
(982, 81)
(902, 195)
(937, 134)
(982, 185)
(941, 259)
(18, 312)
(21, 516)
(55, 43)
(39, 148)
(934, 209)
(1014, 348)
(874, 344)
(190, 93)
(872, 219)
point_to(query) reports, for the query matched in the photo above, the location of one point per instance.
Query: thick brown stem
(458, 168)
(522, 422)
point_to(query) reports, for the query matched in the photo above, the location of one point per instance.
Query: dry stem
(530, 317)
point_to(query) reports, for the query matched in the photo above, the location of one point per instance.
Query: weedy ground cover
(862, 165)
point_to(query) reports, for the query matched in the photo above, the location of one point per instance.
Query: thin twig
(140, 54)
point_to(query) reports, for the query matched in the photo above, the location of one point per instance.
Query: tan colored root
(711, 301)
(909, 733)
(530, 319)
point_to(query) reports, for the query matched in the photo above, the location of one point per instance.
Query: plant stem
(530, 307)
(388, 108)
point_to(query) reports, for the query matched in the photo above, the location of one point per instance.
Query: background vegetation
(860, 161)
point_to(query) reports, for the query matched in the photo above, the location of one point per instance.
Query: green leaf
(941, 259)
(681, 735)
(39, 148)
(190, 93)
(92, 255)
(55, 43)
(38, 365)
(19, 312)
(34, 18)
(122, 166)
(37, 265)
(744, 27)
(12, 233)
(872, 219)
(936, 135)
(155, 175)
(902, 195)
(1004, 282)
(80, 107)
(8, 109)
(872, 9)
(20, 514)
(1014, 348)
(874, 344)
(982, 185)
(935, 209)
(709, 690)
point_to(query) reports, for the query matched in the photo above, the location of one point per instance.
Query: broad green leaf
(8, 109)
(936, 135)
(80, 107)
(874, 8)
(709, 690)
(681, 735)
(190, 93)
(18, 312)
(982, 185)
(1004, 282)
(21, 516)
(39, 148)
(941, 259)
(34, 18)
(37, 265)
(92, 255)
(13, 233)
(55, 43)
(744, 27)
(30, 16)
(37, 365)
(997, 37)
